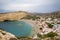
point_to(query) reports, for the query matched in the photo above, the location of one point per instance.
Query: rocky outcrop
(6, 36)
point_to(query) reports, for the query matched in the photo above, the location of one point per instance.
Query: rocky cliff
(6, 36)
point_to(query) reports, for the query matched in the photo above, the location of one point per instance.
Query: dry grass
(12, 16)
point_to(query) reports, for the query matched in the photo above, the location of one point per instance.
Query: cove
(18, 28)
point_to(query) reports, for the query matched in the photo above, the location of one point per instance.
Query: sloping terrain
(20, 14)
(12, 15)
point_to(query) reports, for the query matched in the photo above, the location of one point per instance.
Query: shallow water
(18, 28)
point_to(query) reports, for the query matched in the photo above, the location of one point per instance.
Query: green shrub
(49, 25)
(42, 36)
(24, 38)
(51, 34)
(33, 17)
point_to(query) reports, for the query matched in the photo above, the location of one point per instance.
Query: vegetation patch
(49, 25)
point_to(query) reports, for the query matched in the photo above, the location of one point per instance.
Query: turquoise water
(18, 28)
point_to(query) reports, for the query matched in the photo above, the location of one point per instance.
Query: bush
(49, 25)
(33, 17)
(51, 34)
(41, 36)
(24, 38)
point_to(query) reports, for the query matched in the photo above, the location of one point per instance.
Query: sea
(18, 28)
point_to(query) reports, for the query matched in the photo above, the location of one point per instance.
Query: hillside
(12, 15)
(20, 14)
(52, 14)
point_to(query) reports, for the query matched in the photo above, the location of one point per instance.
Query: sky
(39, 6)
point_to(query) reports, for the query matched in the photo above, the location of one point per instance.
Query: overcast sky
(30, 5)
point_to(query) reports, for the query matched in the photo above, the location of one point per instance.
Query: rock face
(6, 36)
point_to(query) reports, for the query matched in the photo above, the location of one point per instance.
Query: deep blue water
(18, 28)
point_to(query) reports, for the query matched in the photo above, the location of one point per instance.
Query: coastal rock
(6, 36)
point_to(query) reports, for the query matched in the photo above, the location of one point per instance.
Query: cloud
(28, 5)
(41, 2)
(19, 6)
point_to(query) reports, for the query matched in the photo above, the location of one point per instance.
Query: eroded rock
(6, 36)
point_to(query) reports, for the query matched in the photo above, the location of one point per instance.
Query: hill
(52, 14)
(12, 15)
(20, 14)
